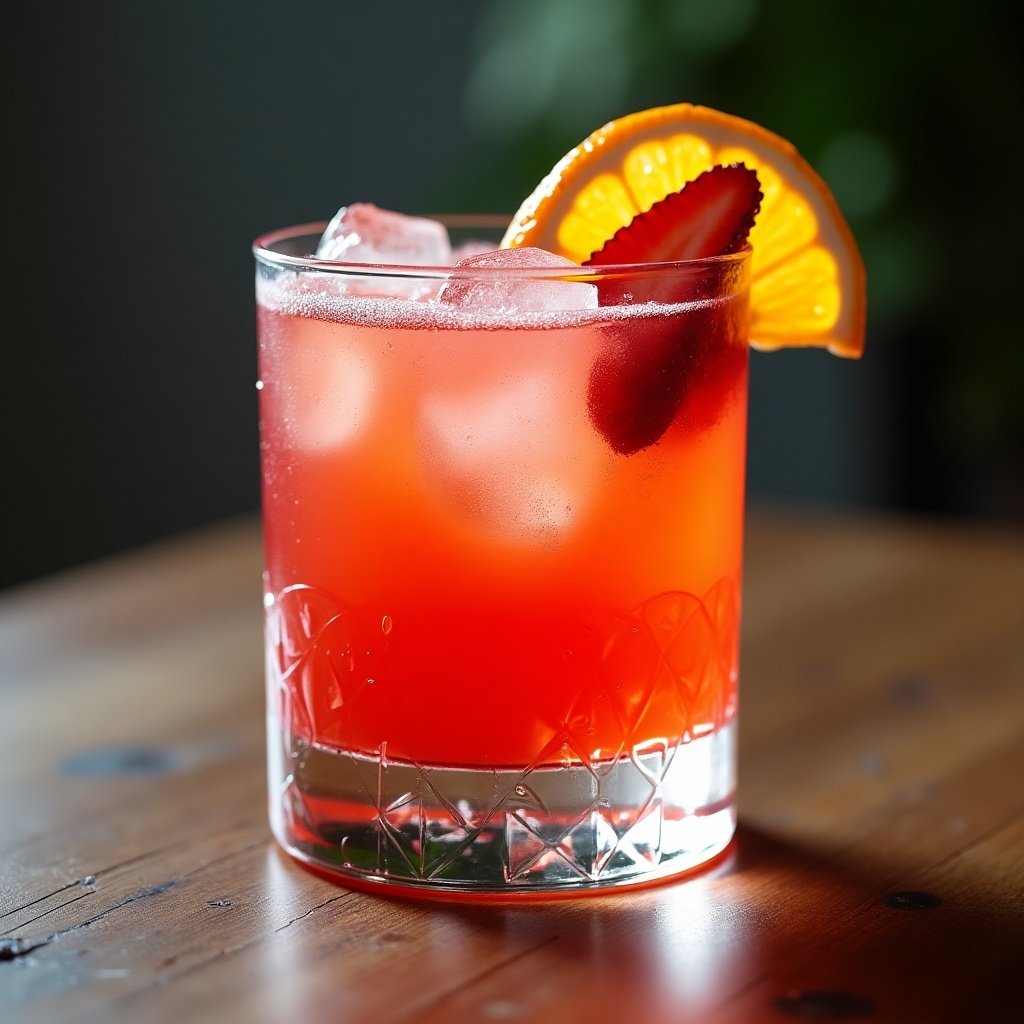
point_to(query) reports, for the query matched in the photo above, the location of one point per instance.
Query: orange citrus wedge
(807, 278)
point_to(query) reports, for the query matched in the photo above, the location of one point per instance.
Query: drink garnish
(806, 275)
(622, 196)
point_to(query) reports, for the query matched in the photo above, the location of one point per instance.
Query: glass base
(643, 817)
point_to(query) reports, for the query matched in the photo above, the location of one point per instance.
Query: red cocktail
(491, 576)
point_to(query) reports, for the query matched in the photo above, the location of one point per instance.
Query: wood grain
(878, 873)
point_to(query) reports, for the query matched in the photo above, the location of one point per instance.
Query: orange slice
(807, 278)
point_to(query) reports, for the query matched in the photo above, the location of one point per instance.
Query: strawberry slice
(639, 382)
(710, 216)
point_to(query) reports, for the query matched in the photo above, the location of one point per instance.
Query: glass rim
(264, 250)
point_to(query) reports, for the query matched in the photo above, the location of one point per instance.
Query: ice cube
(326, 385)
(363, 233)
(513, 458)
(516, 292)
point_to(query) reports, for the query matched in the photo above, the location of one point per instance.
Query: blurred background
(148, 144)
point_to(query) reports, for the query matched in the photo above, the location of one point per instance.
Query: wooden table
(878, 873)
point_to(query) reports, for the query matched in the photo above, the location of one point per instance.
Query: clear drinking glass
(503, 524)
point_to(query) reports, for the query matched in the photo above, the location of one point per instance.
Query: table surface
(878, 872)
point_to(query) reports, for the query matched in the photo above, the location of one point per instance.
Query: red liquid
(460, 570)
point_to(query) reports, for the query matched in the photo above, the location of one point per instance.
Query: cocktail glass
(503, 526)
